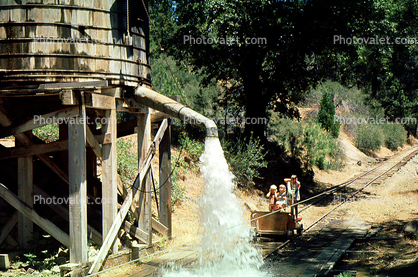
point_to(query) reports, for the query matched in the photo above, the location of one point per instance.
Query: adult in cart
(293, 193)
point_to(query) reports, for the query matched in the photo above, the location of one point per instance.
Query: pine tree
(326, 115)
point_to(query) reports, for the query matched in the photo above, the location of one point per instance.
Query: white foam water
(228, 252)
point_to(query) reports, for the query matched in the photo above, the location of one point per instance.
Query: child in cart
(272, 196)
(281, 198)
(293, 187)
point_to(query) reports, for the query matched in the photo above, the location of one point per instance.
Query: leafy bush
(395, 135)
(127, 161)
(369, 137)
(193, 147)
(326, 115)
(318, 146)
(306, 141)
(47, 133)
(286, 133)
(245, 159)
(177, 192)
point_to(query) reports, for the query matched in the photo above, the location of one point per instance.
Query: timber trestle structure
(96, 208)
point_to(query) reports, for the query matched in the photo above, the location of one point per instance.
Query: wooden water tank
(45, 41)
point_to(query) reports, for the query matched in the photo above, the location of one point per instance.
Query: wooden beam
(109, 177)
(160, 133)
(8, 227)
(144, 204)
(34, 149)
(121, 188)
(92, 100)
(99, 101)
(25, 193)
(134, 231)
(29, 212)
(80, 85)
(120, 218)
(38, 149)
(94, 144)
(165, 178)
(64, 214)
(160, 228)
(78, 188)
(39, 121)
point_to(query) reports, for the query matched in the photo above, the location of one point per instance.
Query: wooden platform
(152, 267)
(316, 252)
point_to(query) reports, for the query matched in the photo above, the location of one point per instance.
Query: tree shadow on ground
(394, 254)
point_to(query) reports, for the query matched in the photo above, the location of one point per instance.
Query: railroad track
(373, 176)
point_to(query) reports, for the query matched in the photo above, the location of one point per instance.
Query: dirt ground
(388, 206)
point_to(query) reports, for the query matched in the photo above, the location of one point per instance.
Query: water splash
(228, 252)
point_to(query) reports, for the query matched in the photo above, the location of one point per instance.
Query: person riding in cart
(293, 194)
(272, 196)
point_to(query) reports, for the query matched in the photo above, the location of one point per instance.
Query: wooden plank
(329, 255)
(38, 149)
(144, 203)
(94, 144)
(91, 100)
(99, 101)
(81, 85)
(78, 188)
(34, 149)
(134, 231)
(69, 97)
(165, 179)
(355, 230)
(25, 193)
(64, 214)
(109, 177)
(8, 227)
(160, 228)
(39, 121)
(29, 212)
(121, 188)
(4, 261)
(160, 133)
(120, 218)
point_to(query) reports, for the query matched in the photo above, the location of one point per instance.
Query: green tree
(326, 115)
(387, 71)
(277, 70)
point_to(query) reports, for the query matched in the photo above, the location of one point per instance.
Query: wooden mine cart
(279, 224)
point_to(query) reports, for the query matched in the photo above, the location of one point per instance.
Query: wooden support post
(25, 192)
(144, 142)
(78, 187)
(165, 179)
(123, 211)
(109, 176)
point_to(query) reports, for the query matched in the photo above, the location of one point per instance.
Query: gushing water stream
(228, 252)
